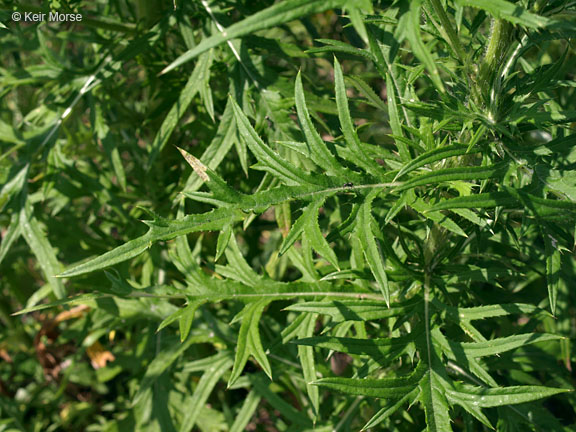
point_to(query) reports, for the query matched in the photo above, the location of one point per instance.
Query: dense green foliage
(287, 216)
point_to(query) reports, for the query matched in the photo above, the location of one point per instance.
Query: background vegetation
(286, 216)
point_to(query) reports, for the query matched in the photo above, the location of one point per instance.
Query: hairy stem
(498, 45)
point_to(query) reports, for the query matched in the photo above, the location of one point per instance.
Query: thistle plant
(356, 215)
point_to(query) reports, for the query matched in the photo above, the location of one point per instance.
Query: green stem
(497, 47)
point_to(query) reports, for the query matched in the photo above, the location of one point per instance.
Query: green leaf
(339, 46)
(306, 356)
(553, 268)
(560, 181)
(477, 413)
(365, 232)
(387, 411)
(194, 84)
(13, 186)
(260, 201)
(424, 208)
(249, 341)
(488, 311)
(285, 408)
(72, 301)
(359, 157)
(435, 404)
(409, 26)
(455, 352)
(317, 147)
(274, 15)
(391, 388)
(356, 16)
(223, 240)
(308, 225)
(367, 91)
(543, 208)
(394, 114)
(316, 239)
(42, 249)
(494, 397)
(452, 174)
(483, 200)
(374, 348)
(185, 320)
(220, 189)
(500, 345)
(508, 11)
(160, 229)
(356, 310)
(471, 216)
(297, 229)
(246, 413)
(550, 209)
(432, 156)
(387, 388)
(219, 366)
(162, 361)
(12, 234)
(171, 319)
(111, 148)
(218, 148)
(405, 198)
(269, 159)
(237, 267)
